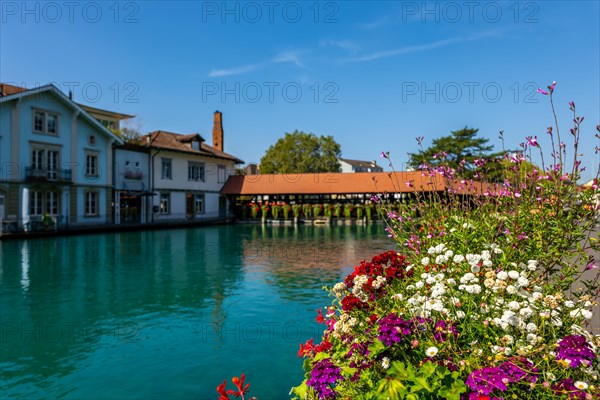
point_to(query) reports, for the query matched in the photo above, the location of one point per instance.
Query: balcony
(48, 175)
(133, 174)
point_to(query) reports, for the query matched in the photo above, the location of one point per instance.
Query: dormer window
(195, 145)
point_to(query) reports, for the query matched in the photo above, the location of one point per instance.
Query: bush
(488, 298)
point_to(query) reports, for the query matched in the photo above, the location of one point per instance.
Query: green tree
(301, 152)
(459, 151)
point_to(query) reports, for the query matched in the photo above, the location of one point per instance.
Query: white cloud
(291, 57)
(418, 48)
(233, 71)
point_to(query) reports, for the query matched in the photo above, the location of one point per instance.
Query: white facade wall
(179, 187)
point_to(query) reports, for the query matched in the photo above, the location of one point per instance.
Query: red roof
(182, 143)
(332, 183)
(7, 90)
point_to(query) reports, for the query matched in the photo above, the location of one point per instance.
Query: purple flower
(392, 328)
(442, 330)
(575, 349)
(385, 154)
(566, 386)
(532, 141)
(323, 376)
(487, 379)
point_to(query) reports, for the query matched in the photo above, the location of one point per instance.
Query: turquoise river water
(168, 314)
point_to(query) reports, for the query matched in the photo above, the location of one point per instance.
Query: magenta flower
(542, 91)
(592, 266)
(409, 184)
(385, 154)
(532, 141)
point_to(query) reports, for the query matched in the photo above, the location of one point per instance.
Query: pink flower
(409, 184)
(542, 91)
(532, 141)
(385, 154)
(591, 266)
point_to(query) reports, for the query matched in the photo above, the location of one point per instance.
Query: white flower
(569, 304)
(410, 287)
(451, 282)
(522, 281)
(419, 284)
(532, 265)
(431, 352)
(580, 312)
(460, 314)
(425, 261)
(507, 339)
(475, 268)
(487, 263)
(385, 363)
(511, 289)
(513, 274)
(526, 312)
(551, 376)
(440, 248)
(449, 254)
(514, 305)
(458, 258)
(397, 296)
(581, 385)
(531, 327)
(536, 296)
(441, 259)
(502, 275)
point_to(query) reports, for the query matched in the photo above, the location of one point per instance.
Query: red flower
(320, 317)
(222, 392)
(239, 383)
(307, 349)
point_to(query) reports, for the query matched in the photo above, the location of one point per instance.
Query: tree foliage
(301, 152)
(459, 150)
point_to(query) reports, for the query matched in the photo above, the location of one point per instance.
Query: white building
(186, 174)
(348, 165)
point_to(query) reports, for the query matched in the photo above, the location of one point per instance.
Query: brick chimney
(217, 133)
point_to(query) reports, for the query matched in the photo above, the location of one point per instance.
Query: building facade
(348, 165)
(186, 174)
(55, 161)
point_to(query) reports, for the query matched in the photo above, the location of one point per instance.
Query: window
(196, 145)
(52, 203)
(91, 164)
(195, 171)
(44, 163)
(36, 201)
(222, 176)
(91, 203)
(165, 203)
(166, 168)
(199, 204)
(41, 203)
(45, 122)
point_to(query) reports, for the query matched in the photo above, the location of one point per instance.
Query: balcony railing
(47, 175)
(133, 174)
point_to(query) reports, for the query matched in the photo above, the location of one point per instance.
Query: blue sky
(373, 74)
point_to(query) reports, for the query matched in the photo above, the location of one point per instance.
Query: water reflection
(303, 258)
(164, 310)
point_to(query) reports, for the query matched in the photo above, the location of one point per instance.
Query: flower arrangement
(307, 210)
(286, 211)
(359, 211)
(264, 209)
(275, 211)
(489, 297)
(317, 209)
(296, 210)
(348, 208)
(254, 210)
(337, 210)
